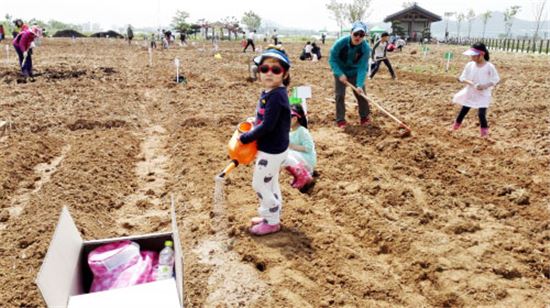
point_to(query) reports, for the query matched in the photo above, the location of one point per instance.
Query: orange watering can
(238, 152)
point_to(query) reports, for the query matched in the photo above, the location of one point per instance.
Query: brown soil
(435, 219)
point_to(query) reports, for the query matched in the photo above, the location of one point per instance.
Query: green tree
(251, 20)
(509, 15)
(459, 18)
(357, 10)
(179, 21)
(350, 12)
(337, 10)
(205, 24)
(470, 17)
(538, 9)
(398, 28)
(427, 33)
(231, 24)
(7, 24)
(485, 18)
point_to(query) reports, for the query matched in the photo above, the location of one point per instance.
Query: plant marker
(425, 49)
(448, 56)
(150, 50)
(177, 63)
(7, 54)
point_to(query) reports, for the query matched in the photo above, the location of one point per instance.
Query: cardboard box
(65, 277)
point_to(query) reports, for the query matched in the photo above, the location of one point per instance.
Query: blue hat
(273, 53)
(359, 26)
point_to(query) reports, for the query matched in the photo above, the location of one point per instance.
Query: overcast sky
(287, 13)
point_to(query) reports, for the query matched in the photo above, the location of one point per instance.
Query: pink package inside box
(121, 264)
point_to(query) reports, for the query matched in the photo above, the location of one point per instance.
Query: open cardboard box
(65, 277)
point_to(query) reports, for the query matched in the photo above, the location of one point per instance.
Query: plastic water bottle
(165, 269)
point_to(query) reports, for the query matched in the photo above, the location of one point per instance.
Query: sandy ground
(436, 219)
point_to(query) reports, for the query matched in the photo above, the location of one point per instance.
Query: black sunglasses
(359, 34)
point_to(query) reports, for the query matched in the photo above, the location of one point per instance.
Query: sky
(287, 13)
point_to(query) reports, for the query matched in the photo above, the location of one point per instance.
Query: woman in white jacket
(480, 76)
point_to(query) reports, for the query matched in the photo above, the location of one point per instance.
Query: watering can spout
(232, 165)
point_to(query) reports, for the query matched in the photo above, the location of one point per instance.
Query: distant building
(413, 22)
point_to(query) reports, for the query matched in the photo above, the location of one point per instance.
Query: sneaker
(455, 126)
(484, 132)
(365, 121)
(257, 220)
(264, 228)
(341, 124)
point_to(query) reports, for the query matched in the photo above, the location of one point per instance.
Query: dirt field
(437, 219)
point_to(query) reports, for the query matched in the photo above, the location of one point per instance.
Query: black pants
(26, 67)
(249, 42)
(377, 66)
(482, 113)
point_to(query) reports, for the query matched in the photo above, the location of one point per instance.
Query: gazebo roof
(414, 8)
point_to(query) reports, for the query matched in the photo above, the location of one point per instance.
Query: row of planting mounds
(110, 33)
(68, 33)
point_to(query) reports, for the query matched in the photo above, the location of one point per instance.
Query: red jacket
(23, 40)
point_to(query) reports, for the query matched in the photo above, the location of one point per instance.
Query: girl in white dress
(480, 76)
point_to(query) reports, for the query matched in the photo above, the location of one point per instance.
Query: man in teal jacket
(348, 61)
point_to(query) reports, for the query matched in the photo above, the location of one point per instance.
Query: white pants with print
(266, 184)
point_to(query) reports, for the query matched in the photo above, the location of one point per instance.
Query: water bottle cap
(169, 244)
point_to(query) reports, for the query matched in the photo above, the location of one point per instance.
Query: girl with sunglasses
(271, 132)
(348, 61)
(480, 76)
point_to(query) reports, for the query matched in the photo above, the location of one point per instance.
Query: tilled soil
(434, 219)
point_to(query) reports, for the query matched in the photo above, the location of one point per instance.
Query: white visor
(471, 52)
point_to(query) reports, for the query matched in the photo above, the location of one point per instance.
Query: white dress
(470, 96)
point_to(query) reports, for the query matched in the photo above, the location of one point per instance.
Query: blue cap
(359, 26)
(272, 53)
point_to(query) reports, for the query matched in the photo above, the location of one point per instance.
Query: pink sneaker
(365, 121)
(484, 132)
(455, 126)
(342, 124)
(264, 228)
(256, 220)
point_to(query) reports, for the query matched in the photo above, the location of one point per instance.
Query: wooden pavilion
(413, 22)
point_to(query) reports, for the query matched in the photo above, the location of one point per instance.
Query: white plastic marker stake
(150, 51)
(7, 54)
(369, 63)
(177, 63)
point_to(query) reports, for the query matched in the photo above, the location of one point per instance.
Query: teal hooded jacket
(349, 60)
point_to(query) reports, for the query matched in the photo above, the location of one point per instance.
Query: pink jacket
(23, 40)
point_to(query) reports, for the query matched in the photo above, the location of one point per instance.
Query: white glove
(33, 45)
